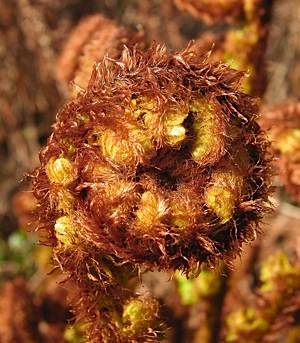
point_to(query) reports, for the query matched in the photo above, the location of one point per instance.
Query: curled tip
(166, 154)
(64, 230)
(60, 171)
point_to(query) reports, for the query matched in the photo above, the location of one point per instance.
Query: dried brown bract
(283, 124)
(94, 37)
(160, 162)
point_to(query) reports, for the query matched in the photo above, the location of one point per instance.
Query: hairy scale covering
(160, 162)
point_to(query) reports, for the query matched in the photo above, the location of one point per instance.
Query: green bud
(139, 315)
